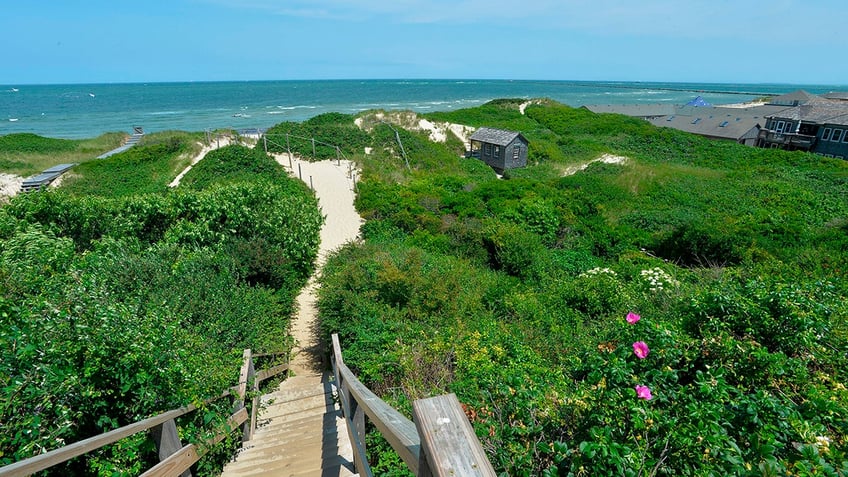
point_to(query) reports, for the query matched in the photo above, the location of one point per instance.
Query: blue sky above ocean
(715, 41)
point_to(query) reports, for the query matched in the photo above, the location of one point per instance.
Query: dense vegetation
(114, 307)
(680, 312)
(138, 170)
(513, 294)
(26, 154)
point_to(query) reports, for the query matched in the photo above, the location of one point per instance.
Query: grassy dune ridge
(513, 293)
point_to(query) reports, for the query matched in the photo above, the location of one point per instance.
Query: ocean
(88, 110)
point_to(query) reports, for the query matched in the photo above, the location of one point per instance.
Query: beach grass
(145, 168)
(27, 154)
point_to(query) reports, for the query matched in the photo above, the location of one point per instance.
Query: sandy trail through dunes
(333, 182)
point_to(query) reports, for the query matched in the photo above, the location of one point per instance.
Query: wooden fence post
(288, 149)
(168, 441)
(314, 156)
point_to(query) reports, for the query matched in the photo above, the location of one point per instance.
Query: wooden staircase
(300, 432)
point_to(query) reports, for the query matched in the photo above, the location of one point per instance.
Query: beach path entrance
(300, 430)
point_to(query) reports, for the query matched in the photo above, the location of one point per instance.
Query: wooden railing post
(245, 375)
(449, 446)
(168, 441)
(250, 425)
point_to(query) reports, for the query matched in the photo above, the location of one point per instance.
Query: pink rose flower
(643, 392)
(632, 317)
(640, 349)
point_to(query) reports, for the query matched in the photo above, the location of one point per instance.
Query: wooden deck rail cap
(448, 440)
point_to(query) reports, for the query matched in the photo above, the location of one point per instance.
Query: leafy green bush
(116, 309)
(734, 257)
(141, 169)
(232, 163)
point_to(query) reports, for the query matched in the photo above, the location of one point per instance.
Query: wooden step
(300, 432)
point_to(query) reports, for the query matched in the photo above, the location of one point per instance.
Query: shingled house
(818, 125)
(499, 148)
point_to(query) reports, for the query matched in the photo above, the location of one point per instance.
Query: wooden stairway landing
(300, 432)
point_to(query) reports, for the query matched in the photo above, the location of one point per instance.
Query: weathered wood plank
(398, 431)
(271, 372)
(167, 440)
(448, 440)
(176, 464)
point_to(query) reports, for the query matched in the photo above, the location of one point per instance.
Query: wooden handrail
(441, 442)
(68, 452)
(63, 454)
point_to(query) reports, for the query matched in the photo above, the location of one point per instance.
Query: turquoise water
(79, 111)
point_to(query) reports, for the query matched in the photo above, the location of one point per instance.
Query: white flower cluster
(598, 271)
(823, 443)
(658, 279)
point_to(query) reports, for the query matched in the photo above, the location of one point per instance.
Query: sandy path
(605, 158)
(334, 187)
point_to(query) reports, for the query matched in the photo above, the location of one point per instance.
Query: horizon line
(422, 79)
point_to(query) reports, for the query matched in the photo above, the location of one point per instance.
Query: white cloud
(752, 20)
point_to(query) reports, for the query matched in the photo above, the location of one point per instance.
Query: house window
(723, 124)
(780, 125)
(826, 134)
(497, 151)
(487, 149)
(837, 135)
(845, 138)
(516, 151)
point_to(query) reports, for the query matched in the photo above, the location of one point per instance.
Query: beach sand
(10, 185)
(333, 183)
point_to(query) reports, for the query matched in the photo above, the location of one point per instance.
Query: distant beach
(80, 111)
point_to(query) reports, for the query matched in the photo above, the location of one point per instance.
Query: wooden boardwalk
(136, 136)
(300, 432)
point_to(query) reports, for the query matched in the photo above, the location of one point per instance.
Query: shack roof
(500, 137)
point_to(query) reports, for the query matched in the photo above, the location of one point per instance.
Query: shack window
(516, 151)
(487, 149)
(497, 151)
(826, 134)
(837, 135)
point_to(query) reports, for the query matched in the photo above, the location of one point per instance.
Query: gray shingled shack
(499, 148)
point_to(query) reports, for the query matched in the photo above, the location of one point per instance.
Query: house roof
(635, 110)
(708, 120)
(818, 111)
(840, 95)
(711, 124)
(500, 137)
(792, 99)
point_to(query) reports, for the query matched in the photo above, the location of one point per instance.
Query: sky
(719, 41)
